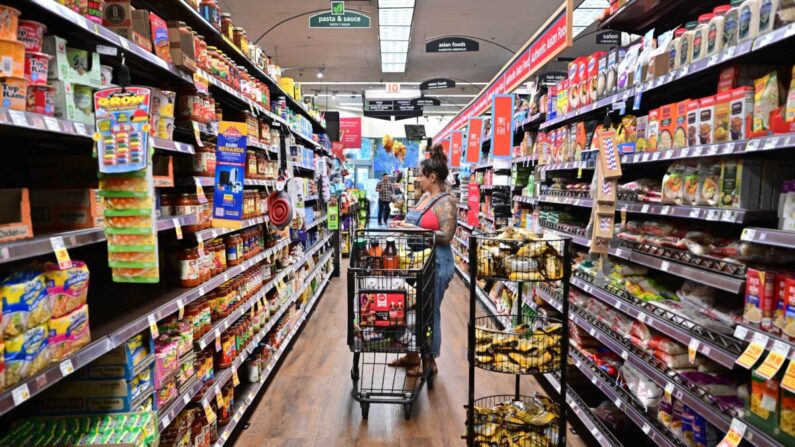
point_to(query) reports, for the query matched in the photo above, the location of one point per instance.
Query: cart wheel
(407, 411)
(365, 410)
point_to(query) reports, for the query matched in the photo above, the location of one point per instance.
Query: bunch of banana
(523, 352)
(413, 259)
(516, 424)
(519, 255)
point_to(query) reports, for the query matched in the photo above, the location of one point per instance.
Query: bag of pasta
(25, 302)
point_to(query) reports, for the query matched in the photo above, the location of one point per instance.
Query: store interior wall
(376, 128)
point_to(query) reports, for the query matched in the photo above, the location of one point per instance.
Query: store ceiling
(350, 55)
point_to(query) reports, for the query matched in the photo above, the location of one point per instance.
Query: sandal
(404, 362)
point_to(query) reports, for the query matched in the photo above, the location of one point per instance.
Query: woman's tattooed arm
(445, 211)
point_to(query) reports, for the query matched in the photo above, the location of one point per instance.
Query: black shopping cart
(390, 314)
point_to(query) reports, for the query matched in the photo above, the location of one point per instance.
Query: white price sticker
(18, 118)
(52, 124)
(771, 143)
(66, 367)
(752, 145)
(153, 325)
(646, 428)
(81, 128)
(692, 349)
(665, 210)
(593, 378)
(180, 308)
(664, 266)
(185, 399)
(695, 213)
(166, 421)
(669, 388)
(61, 254)
(624, 354)
(644, 209)
(177, 227)
(748, 235)
(20, 394)
(592, 332)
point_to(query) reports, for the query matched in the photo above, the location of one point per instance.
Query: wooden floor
(309, 402)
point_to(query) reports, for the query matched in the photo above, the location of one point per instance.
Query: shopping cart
(390, 314)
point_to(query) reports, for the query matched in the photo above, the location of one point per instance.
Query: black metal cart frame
(566, 259)
(406, 326)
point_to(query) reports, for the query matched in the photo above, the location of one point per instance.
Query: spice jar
(189, 261)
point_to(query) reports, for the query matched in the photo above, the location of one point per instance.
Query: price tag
(199, 190)
(771, 143)
(181, 309)
(577, 363)
(665, 210)
(18, 118)
(667, 155)
(695, 213)
(788, 382)
(752, 145)
(692, 349)
(646, 428)
(774, 361)
(208, 412)
(727, 149)
(644, 209)
(177, 227)
(166, 421)
(655, 156)
(81, 128)
(107, 50)
(664, 266)
(185, 399)
(153, 325)
(66, 367)
(748, 235)
(20, 394)
(729, 53)
(624, 354)
(235, 378)
(714, 59)
(669, 390)
(619, 105)
(124, 43)
(61, 254)
(217, 339)
(617, 402)
(219, 398)
(52, 124)
(728, 216)
(754, 350)
(713, 215)
(592, 332)
(197, 133)
(617, 305)
(636, 102)
(593, 379)
(740, 332)
(735, 434)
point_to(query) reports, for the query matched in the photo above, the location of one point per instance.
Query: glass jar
(188, 204)
(189, 267)
(210, 11)
(220, 255)
(204, 162)
(234, 249)
(167, 205)
(227, 27)
(251, 165)
(262, 165)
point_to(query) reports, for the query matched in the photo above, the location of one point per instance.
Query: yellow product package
(25, 302)
(69, 333)
(68, 288)
(26, 354)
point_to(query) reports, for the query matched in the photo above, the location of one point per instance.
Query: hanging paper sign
(230, 168)
(774, 361)
(502, 135)
(446, 147)
(609, 158)
(473, 202)
(456, 141)
(333, 217)
(474, 132)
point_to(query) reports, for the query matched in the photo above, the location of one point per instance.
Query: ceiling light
(393, 68)
(333, 95)
(395, 17)
(321, 72)
(394, 46)
(393, 58)
(394, 32)
(594, 4)
(395, 3)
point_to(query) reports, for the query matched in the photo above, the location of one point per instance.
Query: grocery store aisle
(309, 402)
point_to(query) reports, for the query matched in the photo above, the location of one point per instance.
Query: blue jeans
(444, 273)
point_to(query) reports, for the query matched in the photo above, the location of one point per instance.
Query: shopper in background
(436, 210)
(384, 190)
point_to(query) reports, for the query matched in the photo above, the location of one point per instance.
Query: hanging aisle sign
(474, 132)
(456, 142)
(502, 135)
(452, 45)
(339, 19)
(437, 84)
(552, 38)
(473, 204)
(446, 147)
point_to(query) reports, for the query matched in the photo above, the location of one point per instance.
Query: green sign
(333, 217)
(338, 8)
(330, 19)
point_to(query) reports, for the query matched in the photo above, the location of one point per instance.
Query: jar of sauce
(188, 204)
(251, 165)
(211, 13)
(189, 267)
(234, 249)
(204, 162)
(167, 205)
(227, 29)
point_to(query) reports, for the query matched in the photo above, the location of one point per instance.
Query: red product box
(574, 84)
(760, 298)
(159, 30)
(582, 77)
(592, 71)
(383, 309)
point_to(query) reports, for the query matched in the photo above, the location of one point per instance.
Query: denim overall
(444, 269)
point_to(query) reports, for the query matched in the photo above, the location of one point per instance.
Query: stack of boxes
(75, 75)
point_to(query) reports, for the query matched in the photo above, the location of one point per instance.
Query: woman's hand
(397, 224)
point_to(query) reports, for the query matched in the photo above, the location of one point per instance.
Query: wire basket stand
(535, 345)
(390, 313)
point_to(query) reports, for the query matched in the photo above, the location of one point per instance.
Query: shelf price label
(788, 382)
(153, 326)
(219, 397)
(774, 360)
(66, 367)
(692, 350)
(734, 435)
(52, 124)
(61, 254)
(208, 412)
(754, 350)
(235, 378)
(20, 394)
(199, 190)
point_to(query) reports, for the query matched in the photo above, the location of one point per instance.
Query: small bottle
(390, 258)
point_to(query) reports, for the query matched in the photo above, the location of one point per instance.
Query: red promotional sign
(473, 202)
(351, 133)
(456, 141)
(446, 147)
(474, 132)
(501, 116)
(553, 38)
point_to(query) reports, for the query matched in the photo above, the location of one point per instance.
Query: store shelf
(583, 412)
(637, 16)
(499, 317)
(164, 418)
(767, 236)
(525, 199)
(42, 245)
(526, 160)
(482, 166)
(317, 222)
(212, 233)
(258, 182)
(251, 390)
(265, 147)
(746, 333)
(303, 168)
(727, 55)
(723, 282)
(461, 223)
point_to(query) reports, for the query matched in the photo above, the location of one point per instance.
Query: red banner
(473, 202)
(456, 141)
(542, 47)
(446, 147)
(351, 133)
(474, 132)
(502, 122)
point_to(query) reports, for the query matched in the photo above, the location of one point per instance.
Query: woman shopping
(436, 211)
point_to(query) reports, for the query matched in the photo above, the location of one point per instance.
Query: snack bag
(69, 333)
(766, 99)
(26, 354)
(673, 184)
(25, 303)
(67, 289)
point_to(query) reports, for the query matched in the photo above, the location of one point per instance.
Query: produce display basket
(531, 347)
(516, 421)
(513, 257)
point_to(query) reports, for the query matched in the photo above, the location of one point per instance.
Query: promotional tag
(235, 378)
(177, 228)
(208, 413)
(692, 349)
(754, 350)
(734, 435)
(181, 307)
(219, 398)
(61, 254)
(774, 360)
(197, 134)
(153, 326)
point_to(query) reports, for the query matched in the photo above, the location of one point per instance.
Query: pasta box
(592, 74)
(759, 298)
(93, 397)
(66, 209)
(582, 79)
(15, 222)
(706, 119)
(720, 132)
(159, 37)
(667, 127)
(680, 130)
(692, 122)
(653, 129)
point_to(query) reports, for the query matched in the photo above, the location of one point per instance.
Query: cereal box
(762, 408)
(667, 127)
(706, 119)
(680, 130)
(582, 78)
(720, 132)
(759, 297)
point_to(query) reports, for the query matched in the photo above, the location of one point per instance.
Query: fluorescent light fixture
(395, 17)
(576, 30)
(353, 104)
(393, 68)
(393, 58)
(394, 32)
(593, 4)
(394, 46)
(395, 4)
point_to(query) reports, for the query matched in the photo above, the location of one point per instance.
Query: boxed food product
(708, 182)
(72, 64)
(741, 184)
(73, 102)
(159, 37)
(763, 405)
(789, 111)
(593, 71)
(601, 77)
(182, 47)
(706, 119)
(680, 130)
(582, 75)
(126, 361)
(742, 112)
(94, 396)
(667, 127)
(574, 83)
(786, 420)
(642, 143)
(66, 209)
(692, 122)
(613, 59)
(722, 117)
(653, 129)
(766, 99)
(760, 297)
(15, 222)
(137, 29)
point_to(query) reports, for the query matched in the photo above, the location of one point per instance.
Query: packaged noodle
(67, 289)
(26, 354)
(25, 302)
(766, 99)
(69, 333)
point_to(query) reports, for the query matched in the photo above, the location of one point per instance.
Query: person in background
(436, 211)
(384, 190)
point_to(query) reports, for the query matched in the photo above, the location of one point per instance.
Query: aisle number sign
(456, 141)
(502, 132)
(474, 132)
(551, 38)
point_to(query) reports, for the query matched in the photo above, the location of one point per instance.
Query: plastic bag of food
(665, 344)
(673, 183)
(26, 354)
(69, 333)
(709, 183)
(690, 194)
(25, 302)
(67, 289)
(644, 389)
(767, 92)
